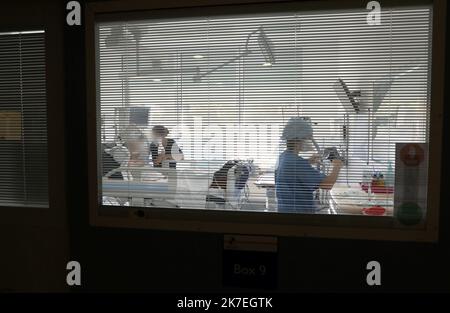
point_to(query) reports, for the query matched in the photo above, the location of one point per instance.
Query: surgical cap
(297, 128)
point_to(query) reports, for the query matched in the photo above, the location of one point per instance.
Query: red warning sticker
(412, 154)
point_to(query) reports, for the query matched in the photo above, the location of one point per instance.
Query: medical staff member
(295, 177)
(164, 151)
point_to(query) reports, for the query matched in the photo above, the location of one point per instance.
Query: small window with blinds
(306, 112)
(23, 120)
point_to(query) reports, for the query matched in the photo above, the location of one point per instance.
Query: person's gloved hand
(315, 159)
(337, 163)
(161, 158)
(332, 154)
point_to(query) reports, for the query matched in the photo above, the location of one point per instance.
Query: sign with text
(250, 261)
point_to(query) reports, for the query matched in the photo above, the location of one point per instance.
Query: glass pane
(296, 112)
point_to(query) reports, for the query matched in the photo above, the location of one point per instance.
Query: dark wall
(34, 241)
(145, 260)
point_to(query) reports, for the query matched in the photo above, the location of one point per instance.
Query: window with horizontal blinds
(223, 88)
(23, 120)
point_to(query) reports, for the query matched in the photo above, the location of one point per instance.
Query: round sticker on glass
(412, 154)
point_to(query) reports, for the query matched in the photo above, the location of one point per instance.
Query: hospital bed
(155, 187)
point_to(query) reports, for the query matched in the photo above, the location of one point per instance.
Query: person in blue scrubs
(295, 177)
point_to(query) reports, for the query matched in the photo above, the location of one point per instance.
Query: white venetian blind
(23, 120)
(225, 86)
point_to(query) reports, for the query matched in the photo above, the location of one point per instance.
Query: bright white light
(156, 80)
(23, 32)
(198, 56)
(267, 64)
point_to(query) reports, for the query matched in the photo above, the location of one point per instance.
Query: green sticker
(409, 213)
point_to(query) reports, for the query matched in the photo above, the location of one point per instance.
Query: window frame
(25, 176)
(262, 223)
(35, 16)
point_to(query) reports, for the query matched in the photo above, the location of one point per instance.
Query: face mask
(307, 145)
(157, 140)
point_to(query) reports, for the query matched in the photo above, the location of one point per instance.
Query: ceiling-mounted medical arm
(198, 76)
(264, 45)
(250, 35)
